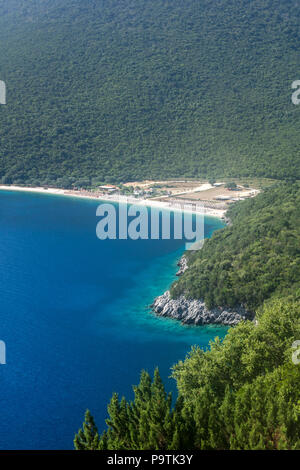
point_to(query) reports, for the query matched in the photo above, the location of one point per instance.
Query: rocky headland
(195, 312)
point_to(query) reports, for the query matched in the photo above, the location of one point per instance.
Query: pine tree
(160, 414)
(118, 435)
(87, 438)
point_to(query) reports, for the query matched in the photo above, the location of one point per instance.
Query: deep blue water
(74, 317)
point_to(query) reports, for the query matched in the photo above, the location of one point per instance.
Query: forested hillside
(255, 258)
(116, 90)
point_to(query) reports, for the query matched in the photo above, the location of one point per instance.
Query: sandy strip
(218, 213)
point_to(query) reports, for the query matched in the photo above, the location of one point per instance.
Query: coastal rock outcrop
(194, 312)
(182, 263)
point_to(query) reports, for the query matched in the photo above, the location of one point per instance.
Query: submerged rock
(192, 311)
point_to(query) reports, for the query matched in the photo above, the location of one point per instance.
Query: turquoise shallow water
(74, 317)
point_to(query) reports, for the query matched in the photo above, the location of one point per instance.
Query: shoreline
(172, 206)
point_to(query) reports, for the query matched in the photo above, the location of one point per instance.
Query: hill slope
(119, 90)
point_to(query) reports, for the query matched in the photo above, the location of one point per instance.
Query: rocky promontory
(195, 312)
(182, 263)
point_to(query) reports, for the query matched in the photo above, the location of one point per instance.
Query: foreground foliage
(243, 393)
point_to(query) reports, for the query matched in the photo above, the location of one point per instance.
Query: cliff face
(192, 311)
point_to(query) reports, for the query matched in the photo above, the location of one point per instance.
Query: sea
(75, 317)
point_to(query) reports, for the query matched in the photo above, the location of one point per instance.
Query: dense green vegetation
(117, 90)
(255, 258)
(243, 393)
